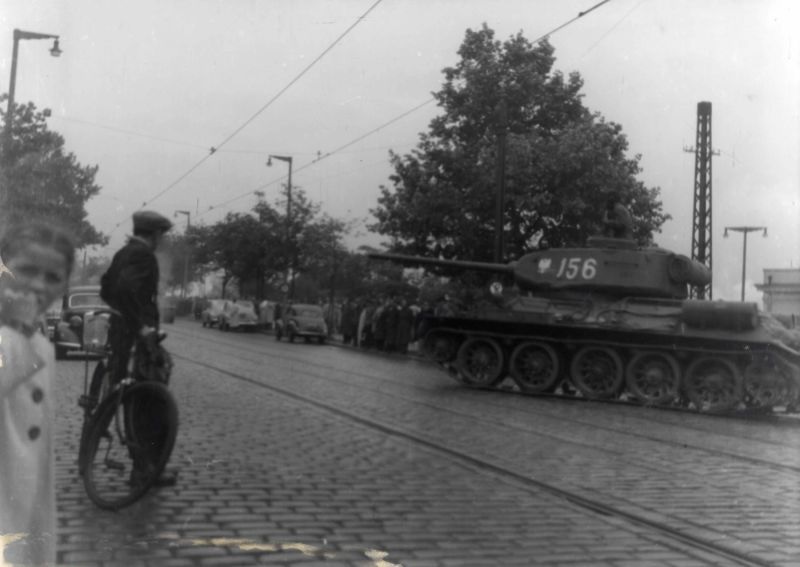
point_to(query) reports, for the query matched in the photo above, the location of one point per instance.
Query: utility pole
(701, 221)
(290, 271)
(186, 257)
(744, 230)
(55, 51)
(499, 216)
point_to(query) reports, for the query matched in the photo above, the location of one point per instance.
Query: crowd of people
(387, 323)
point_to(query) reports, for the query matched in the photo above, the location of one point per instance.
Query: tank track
(711, 376)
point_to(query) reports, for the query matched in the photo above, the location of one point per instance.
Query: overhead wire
(319, 158)
(156, 138)
(128, 132)
(565, 24)
(269, 103)
(612, 28)
(384, 125)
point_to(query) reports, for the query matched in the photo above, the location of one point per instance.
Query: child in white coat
(38, 260)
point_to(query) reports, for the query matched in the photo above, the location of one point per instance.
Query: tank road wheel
(767, 383)
(480, 362)
(713, 384)
(535, 367)
(596, 372)
(439, 347)
(653, 377)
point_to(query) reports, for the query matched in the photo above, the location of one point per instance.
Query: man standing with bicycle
(130, 285)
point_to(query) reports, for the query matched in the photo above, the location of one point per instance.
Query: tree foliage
(561, 160)
(257, 249)
(40, 180)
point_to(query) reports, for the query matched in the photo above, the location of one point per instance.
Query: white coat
(27, 479)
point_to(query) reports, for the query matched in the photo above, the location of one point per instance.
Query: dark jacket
(405, 325)
(131, 284)
(618, 222)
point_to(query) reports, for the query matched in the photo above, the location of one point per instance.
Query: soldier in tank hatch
(617, 221)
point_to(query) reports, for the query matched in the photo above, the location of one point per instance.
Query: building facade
(781, 289)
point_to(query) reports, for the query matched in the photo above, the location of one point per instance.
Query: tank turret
(608, 265)
(612, 321)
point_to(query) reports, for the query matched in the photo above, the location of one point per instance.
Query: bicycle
(129, 427)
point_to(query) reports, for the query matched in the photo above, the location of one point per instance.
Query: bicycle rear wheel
(129, 440)
(99, 387)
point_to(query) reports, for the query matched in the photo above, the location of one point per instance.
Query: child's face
(38, 271)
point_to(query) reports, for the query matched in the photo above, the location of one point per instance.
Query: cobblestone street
(268, 478)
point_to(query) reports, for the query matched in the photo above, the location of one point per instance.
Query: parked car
(302, 320)
(51, 318)
(73, 331)
(167, 307)
(238, 314)
(211, 312)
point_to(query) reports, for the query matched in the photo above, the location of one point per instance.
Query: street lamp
(744, 230)
(287, 159)
(55, 51)
(186, 257)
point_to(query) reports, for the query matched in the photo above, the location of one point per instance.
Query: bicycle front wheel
(129, 440)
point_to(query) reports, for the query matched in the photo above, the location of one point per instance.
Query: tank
(613, 321)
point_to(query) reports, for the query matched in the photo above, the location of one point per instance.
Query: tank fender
(727, 315)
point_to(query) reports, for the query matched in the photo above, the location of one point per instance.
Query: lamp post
(744, 230)
(186, 257)
(289, 280)
(501, 114)
(55, 51)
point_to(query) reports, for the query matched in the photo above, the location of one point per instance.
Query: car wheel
(322, 340)
(204, 323)
(291, 337)
(61, 353)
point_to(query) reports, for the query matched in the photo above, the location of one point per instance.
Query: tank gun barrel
(684, 270)
(408, 260)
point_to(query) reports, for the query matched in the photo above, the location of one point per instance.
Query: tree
(39, 180)
(561, 160)
(234, 245)
(91, 269)
(175, 257)
(257, 249)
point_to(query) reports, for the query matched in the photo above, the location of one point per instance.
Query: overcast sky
(144, 88)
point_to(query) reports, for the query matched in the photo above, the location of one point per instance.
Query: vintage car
(212, 311)
(238, 314)
(167, 308)
(69, 334)
(51, 318)
(302, 320)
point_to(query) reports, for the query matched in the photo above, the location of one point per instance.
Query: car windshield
(85, 300)
(245, 304)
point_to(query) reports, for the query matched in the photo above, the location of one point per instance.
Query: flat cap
(150, 221)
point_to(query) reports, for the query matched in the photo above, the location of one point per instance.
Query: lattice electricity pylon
(701, 221)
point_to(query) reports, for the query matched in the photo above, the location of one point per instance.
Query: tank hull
(612, 321)
(656, 353)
